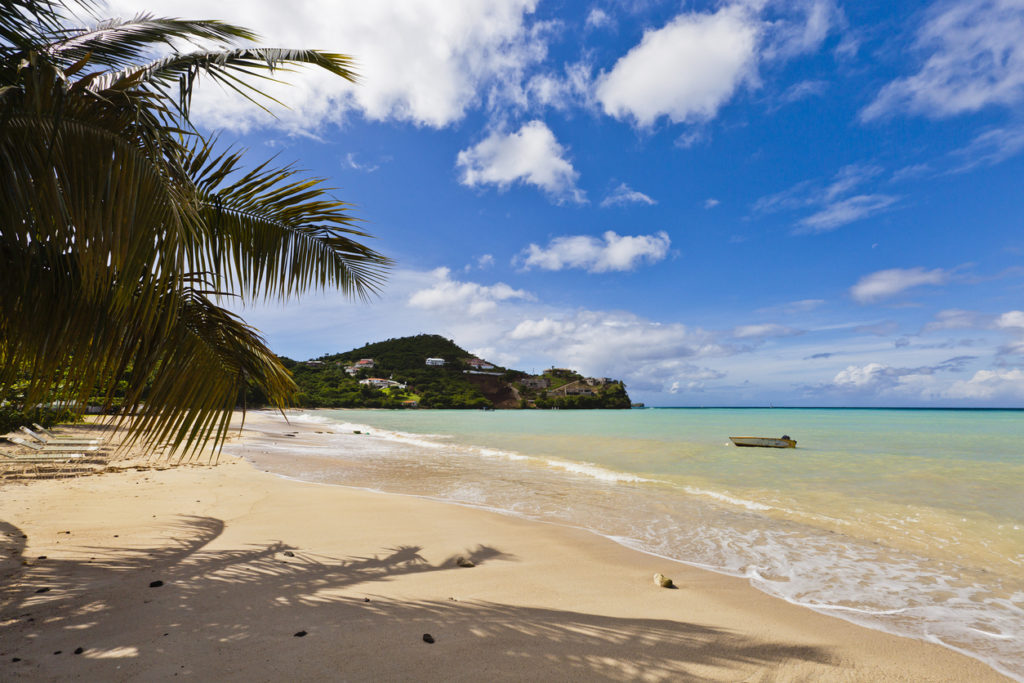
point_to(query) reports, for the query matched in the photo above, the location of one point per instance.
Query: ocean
(908, 521)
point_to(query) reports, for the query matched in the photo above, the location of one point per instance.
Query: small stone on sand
(663, 581)
(155, 584)
(463, 562)
(300, 634)
(42, 590)
(427, 638)
(79, 650)
(289, 553)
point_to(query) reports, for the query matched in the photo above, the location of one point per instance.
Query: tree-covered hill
(345, 380)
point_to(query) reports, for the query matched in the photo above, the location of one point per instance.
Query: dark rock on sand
(300, 634)
(44, 589)
(155, 584)
(463, 562)
(79, 650)
(427, 638)
(289, 553)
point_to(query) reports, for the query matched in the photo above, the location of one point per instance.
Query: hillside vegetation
(333, 381)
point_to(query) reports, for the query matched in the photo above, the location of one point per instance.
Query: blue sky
(801, 202)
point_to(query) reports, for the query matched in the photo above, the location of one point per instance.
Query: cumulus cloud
(598, 18)
(470, 297)
(882, 379)
(872, 374)
(408, 72)
(572, 88)
(1012, 319)
(975, 59)
(685, 70)
(624, 194)
(531, 156)
(597, 255)
(987, 385)
(651, 356)
(711, 203)
(887, 283)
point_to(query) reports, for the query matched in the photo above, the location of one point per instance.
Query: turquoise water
(910, 521)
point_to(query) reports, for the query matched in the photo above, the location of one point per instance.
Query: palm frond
(204, 361)
(122, 43)
(232, 69)
(118, 221)
(274, 233)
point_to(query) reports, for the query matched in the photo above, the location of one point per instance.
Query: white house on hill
(435, 361)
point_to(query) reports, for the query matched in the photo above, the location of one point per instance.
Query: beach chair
(40, 448)
(50, 433)
(60, 441)
(32, 458)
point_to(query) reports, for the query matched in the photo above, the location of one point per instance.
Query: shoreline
(369, 573)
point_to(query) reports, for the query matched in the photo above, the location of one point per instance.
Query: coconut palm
(122, 225)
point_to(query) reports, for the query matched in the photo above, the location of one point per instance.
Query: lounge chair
(57, 442)
(33, 458)
(49, 432)
(52, 449)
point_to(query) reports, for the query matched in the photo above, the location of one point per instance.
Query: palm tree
(122, 225)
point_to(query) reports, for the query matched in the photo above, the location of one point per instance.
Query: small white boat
(763, 442)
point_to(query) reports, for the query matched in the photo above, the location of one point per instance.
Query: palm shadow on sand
(215, 606)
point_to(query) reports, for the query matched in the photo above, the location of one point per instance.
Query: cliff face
(495, 390)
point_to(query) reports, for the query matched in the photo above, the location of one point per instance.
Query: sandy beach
(228, 572)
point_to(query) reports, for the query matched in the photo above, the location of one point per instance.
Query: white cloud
(845, 211)
(802, 34)
(988, 385)
(650, 356)
(990, 148)
(531, 156)
(1012, 319)
(835, 203)
(535, 329)
(420, 61)
(764, 330)
(886, 283)
(350, 162)
(794, 307)
(872, 374)
(613, 252)
(571, 89)
(598, 18)
(956, 319)
(803, 90)
(624, 194)
(469, 297)
(685, 70)
(711, 203)
(975, 59)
